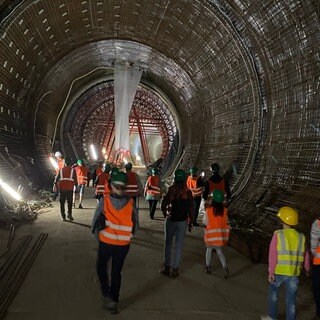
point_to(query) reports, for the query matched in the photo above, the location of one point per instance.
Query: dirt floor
(62, 283)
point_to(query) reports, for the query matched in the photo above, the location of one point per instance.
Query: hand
(271, 278)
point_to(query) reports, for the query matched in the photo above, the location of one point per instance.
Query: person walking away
(118, 214)
(217, 230)
(287, 255)
(60, 165)
(177, 206)
(66, 180)
(97, 171)
(101, 180)
(107, 187)
(82, 177)
(216, 182)
(152, 191)
(134, 186)
(196, 185)
(315, 249)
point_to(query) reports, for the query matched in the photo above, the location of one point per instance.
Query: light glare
(93, 152)
(10, 191)
(54, 163)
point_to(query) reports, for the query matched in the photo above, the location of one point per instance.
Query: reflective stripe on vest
(192, 186)
(102, 179)
(132, 188)
(217, 231)
(316, 257)
(153, 186)
(119, 223)
(66, 183)
(290, 250)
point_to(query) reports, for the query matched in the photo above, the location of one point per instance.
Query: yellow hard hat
(288, 216)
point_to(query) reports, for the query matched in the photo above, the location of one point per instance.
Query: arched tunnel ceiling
(243, 76)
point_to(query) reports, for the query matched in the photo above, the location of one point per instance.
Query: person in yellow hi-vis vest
(287, 255)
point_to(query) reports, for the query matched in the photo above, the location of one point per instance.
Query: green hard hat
(180, 175)
(80, 162)
(106, 167)
(120, 178)
(154, 171)
(114, 171)
(193, 170)
(218, 196)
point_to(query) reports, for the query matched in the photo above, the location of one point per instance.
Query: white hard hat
(58, 154)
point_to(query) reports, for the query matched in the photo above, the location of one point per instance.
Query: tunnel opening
(153, 126)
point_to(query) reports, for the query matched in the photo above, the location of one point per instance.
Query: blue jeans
(178, 230)
(291, 283)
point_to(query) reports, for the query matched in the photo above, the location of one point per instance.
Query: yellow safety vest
(290, 250)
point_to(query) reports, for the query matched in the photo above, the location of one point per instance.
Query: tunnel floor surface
(62, 283)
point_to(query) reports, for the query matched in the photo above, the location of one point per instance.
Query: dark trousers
(117, 254)
(316, 287)
(196, 207)
(66, 195)
(152, 207)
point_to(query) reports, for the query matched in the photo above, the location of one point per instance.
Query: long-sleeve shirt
(273, 256)
(315, 235)
(118, 203)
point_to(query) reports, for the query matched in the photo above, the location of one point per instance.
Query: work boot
(70, 217)
(226, 272)
(80, 206)
(175, 272)
(165, 270)
(112, 307)
(63, 217)
(208, 270)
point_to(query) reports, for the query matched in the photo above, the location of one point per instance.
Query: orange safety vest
(132, 189)
(102, 180)
(216, 186)
(66, 181)
(82, 174)
(119, 224)
(152, 186)
(316, 257)
(217, 230)
(98, 171)
(61, 164)
(192, 186)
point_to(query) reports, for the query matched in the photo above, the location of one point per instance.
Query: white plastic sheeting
(126, 81)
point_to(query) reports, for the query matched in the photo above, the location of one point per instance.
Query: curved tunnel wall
(243, 75)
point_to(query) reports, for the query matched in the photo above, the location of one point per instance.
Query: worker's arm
(135, 220)
(206, 191)
(96, 180)
(315, 236)
(96, 215)
(57, 178)
(190, 206)
(273, 259)
(306, 263)
(140, 186)
(205, 219)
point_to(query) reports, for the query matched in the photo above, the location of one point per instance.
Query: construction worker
(152, 191)
(66, 180)
(196, 185)
(177, 206)
(117, 213)
(216, 234)
(82, 177)
(287, 255)
(315, 249)
(97, 171)
(134, 186)
(101, 180)
(113, 171)
(60, 165)
(216, 182)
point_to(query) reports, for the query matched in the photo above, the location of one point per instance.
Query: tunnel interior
(233, 82)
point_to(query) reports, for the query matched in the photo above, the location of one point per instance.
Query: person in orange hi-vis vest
(113, 225)
(315, 249)
(82, 177)
(60, 164)
(216, 234)
(216, 182)
(97, 171)
(101, 180)
(196, 185)
(66, 180)
(152, 191)
(134, 186)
